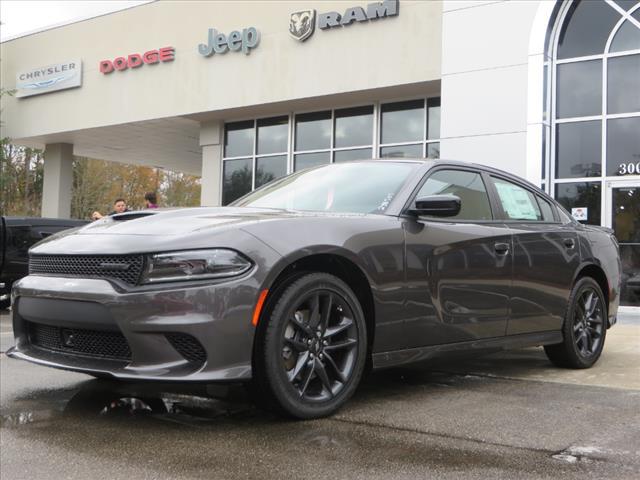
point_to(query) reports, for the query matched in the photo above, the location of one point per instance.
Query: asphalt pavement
(505, 415)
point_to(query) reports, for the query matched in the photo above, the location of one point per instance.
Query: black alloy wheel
(588, 322)
(584, 328)
(312, 353)
(320, 345)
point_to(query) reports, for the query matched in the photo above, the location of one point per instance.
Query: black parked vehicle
(301, 283)
(17, 235)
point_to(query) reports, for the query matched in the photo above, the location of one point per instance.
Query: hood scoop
(123, 217)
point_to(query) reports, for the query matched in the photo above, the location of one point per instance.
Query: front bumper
(216, 317)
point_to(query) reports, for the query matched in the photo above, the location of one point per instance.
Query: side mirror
(437, 206)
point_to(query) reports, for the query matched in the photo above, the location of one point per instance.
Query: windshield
(358, 187)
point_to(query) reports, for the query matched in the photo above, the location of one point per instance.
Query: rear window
(546, 209)
(517, 203)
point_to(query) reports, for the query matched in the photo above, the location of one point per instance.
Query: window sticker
(516, 202)
(580, 213)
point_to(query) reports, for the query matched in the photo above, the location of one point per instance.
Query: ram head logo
(302, 24)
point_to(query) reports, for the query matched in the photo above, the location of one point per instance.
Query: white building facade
(242, 92)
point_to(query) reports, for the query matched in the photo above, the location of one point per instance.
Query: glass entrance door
(623, 215)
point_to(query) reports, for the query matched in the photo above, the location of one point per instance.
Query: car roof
(460, 163)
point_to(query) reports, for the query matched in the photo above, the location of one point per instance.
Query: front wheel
(310, 357)
(584, 327)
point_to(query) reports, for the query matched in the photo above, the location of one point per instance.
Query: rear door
(458, 268)
(545, 257)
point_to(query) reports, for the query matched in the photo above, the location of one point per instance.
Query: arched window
(595, 102)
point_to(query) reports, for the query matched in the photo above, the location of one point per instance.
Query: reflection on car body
(299, 285)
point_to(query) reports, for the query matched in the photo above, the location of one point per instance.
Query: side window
(466, 185)
(546, 208)
(517, 202)
(564, 216)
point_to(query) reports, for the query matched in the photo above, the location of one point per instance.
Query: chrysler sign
(51, 78)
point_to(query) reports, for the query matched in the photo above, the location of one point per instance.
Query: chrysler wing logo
(302, 24)
(47, 83)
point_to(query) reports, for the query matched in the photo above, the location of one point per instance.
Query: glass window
(468, 186)
(237, 179)
(627, 38)
(517, 203)
(579, 89)
(402, 151)
(360, 187)
(306, 160)
(546, 209)
(544, 152)
(626, 4)
(586, 29)
(354, 127)
(402, 122)
(433, 120)
(433, 150)
(273, 134)
(238, 139)
(347, 155)
(625, 214)
(581, 195)
(578, 149)
(623, 84)
(313, 131)
(564, 216)
(270, 168)
(623, 146)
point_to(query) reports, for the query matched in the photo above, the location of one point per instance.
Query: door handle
(501, 248)
(569, 243)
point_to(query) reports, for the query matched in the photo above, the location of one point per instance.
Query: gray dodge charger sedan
(299, 286)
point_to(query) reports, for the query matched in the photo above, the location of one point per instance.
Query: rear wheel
(584, 328)
(310, 357)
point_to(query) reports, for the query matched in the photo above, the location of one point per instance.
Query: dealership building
(242, 92)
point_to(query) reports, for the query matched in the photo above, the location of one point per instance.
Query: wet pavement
(499, 416)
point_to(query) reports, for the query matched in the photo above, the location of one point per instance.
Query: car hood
(181, 221)
(158, 230)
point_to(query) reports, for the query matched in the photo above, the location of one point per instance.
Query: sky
(19, 17)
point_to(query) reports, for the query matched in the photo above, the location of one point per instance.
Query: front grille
(78, 341)
(188, 347)
(126, 268)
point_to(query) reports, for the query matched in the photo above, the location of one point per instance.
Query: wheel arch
(332, 263)
(597, 273)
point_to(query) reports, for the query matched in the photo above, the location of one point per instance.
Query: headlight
(194, 265)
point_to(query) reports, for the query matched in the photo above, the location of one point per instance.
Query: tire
(311, 347)
(584, 328)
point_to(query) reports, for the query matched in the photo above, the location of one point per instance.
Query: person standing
(119, 206)
(151, 200)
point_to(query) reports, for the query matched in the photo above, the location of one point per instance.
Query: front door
(622, 214)
(458, 268)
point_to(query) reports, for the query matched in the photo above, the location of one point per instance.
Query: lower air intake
(188, 347)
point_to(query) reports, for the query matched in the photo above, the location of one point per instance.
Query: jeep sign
(235, 41)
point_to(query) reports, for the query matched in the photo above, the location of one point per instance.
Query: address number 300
(629, 168)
